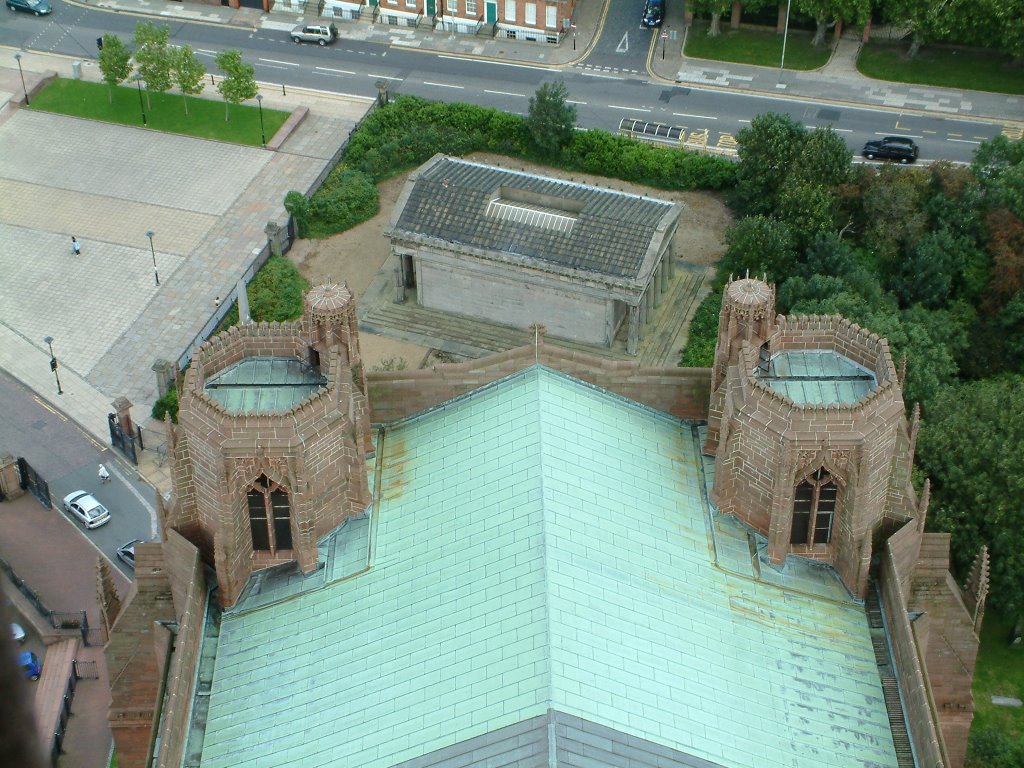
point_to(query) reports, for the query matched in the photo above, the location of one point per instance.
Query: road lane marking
(384, 77)
(506, 93)
(630, 109)
(338, 71)
(501, 63)
(837, 130)
(600, 76)
(46, 405)
(964, 141)
(570, 101)
(698, 117)
(445, 85)
(900, 135)
(282, 63)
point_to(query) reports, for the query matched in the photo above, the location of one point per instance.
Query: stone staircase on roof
(887, 675)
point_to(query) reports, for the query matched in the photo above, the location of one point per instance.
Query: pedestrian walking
(103, 474)
(76, 247)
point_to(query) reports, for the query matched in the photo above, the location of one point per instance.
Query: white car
(84, 506)
(17, 633)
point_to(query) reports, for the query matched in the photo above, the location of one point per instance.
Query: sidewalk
(59, 563)
(837, 83)
(118, 361)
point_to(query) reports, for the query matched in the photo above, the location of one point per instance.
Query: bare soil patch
(356, 256)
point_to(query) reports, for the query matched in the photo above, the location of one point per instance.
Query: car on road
(30, 665)
(87, 509)
(654, 11)
(891, 148)
(17, 633)
(322, 34)
(38, 7)
(126, 552)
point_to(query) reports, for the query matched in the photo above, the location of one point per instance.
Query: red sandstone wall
(188, 586)
(681, 392)
(899, 554)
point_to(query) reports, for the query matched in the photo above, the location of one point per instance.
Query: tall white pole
(785, 34)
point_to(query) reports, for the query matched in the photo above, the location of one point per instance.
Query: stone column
(10, 478)
(633, 338)
(123, 410)
(276, 235)
(399, 280)
(164, 370)
(659, 285)
(649, 302)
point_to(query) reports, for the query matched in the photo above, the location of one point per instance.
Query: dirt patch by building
(356, 256)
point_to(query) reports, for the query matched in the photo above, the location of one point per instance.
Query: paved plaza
(207, 204)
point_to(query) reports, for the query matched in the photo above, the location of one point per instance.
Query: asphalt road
(68, 459)
(602, 98)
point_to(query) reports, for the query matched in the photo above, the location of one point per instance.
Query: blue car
(38, 7)
(30, 665)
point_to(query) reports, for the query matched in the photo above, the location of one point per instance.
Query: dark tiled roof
(611, 234)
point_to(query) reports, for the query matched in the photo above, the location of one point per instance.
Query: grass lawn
(755, 46)
(164, 111)
(1000, 672)
(948, 67)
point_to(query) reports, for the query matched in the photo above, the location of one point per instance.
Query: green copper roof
(264, 384)
(541, 544)
(818, 377)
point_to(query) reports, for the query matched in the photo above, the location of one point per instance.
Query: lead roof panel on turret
(817, 377)
(264, 385)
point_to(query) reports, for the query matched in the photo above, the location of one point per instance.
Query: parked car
(322, 34)
(891, 148)
(126, 552)
(654, 11)
(87, 509)
(30, 665)
(38, 7)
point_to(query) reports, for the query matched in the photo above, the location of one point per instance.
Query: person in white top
(104, 475)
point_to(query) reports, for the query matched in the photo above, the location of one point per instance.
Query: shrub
(699, 351)
(276, 292)
(168, 404)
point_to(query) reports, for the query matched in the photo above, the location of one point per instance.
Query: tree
(892, 213)
(715, 9)
(1006, 246)
(766, 150)
(239, 81)
(758, 245)
(928, 20)
(188, 72)
(972, 446)
(808, 209)
(152, 56)
(550, 119)
(827, 13)
(940, 266)
(115, 63)
(999, 166)
(824, 159)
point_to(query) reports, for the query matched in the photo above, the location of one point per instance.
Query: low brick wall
(681, 392)
(294, 121)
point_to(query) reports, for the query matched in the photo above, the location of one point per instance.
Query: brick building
(539, 576)
(518, 248)
(529, 20)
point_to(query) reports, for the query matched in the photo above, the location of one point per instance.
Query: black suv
(891, 148)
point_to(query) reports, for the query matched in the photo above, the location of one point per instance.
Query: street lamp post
(785, 34)
(259, 103)
(142, 107)
(17, 58)
(53, 363)
(156, 275)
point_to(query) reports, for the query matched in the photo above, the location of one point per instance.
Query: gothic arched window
(814, 509)
(269, 516)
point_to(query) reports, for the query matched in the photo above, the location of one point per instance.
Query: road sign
(664, 35)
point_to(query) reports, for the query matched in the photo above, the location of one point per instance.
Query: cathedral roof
(542, 561)
(818, 377)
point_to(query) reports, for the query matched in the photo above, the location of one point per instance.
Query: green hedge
(410, 130)
(275, 294)
(699, 351)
